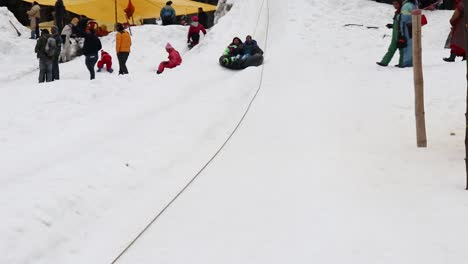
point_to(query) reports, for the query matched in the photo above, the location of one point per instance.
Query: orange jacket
(123, 42)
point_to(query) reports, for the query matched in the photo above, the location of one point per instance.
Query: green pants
(392, 49)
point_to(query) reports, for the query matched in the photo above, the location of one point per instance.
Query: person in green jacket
(395, 36)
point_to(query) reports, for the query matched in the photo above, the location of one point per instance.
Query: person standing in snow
(59, 10)
(174, 59)
(193, 36)
(250, 48)
(123, 42)
(406, 31)
(168, 14)
(45, 60)
(202, 17)
(91, 47)
(457, 40)
(66, 34)
(34, 15)
(106, 60)
(395, 37)
(58, 49)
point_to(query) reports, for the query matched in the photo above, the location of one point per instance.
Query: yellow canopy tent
(103, 11)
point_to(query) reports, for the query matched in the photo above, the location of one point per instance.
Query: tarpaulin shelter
(103, 11)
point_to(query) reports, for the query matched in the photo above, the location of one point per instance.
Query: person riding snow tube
(234, 57)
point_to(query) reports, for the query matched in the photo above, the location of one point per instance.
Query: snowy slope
(323, 170)
(78, 155)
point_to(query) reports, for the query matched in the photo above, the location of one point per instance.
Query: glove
(389, 25)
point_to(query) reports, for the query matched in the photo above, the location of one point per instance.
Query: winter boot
(110, 70)
(99, 69)
(451, 58)
(381, 64)
(158, 72)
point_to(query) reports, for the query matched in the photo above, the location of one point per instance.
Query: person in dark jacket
(250, 48)
(168, 14)
(123, 42)
(58, 50)
(45, 61)
(202, 17)
(59, 10)
(92, 45)
(80, 29)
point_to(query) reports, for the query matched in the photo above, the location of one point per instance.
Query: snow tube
(238, 64)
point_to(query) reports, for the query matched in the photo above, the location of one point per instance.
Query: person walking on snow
(58, 49)
(168, 14)
(91, 47)
(123, 42)
(457, 41)
(250, 48)
(395, 37)
(174, 59)
(193, 36)
(405, 30)
(34, 15)
(45, 60)
(106, 60)
(66, 34)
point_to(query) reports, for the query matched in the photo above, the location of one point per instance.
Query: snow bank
(17, 58)
(87, 163)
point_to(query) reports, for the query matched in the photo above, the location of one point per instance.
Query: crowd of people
(55, 46)
(402, 39)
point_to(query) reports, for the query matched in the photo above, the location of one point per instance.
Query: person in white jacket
(67, 31)
(34, 15)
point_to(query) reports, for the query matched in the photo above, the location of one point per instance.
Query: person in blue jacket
(168, 14)
(250, 48)
(406, 31)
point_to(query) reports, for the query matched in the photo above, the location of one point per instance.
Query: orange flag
(130, 9)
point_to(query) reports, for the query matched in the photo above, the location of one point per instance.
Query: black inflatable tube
(254, 60)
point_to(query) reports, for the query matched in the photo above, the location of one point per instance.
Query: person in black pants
(92, 45)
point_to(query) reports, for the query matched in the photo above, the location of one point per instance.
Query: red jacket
(196, 30)
(105, 57)
(174, 57)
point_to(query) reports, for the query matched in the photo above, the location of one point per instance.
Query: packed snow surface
(323, 169)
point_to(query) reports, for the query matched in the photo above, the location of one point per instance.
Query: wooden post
(466, 113)
(115, 9)
(418, 81)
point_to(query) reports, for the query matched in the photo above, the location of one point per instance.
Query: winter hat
(195, 18)
(119, 27)
(169, 3)
(169, 46)
(74, 21)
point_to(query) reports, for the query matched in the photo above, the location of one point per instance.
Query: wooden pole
(466, 113)
(418, 81)
(115, 9)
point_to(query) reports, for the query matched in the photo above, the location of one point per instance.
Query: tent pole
(115, 8)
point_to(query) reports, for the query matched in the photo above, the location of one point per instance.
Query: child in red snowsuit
(194, 32)
(106, 60)
(174, 59)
